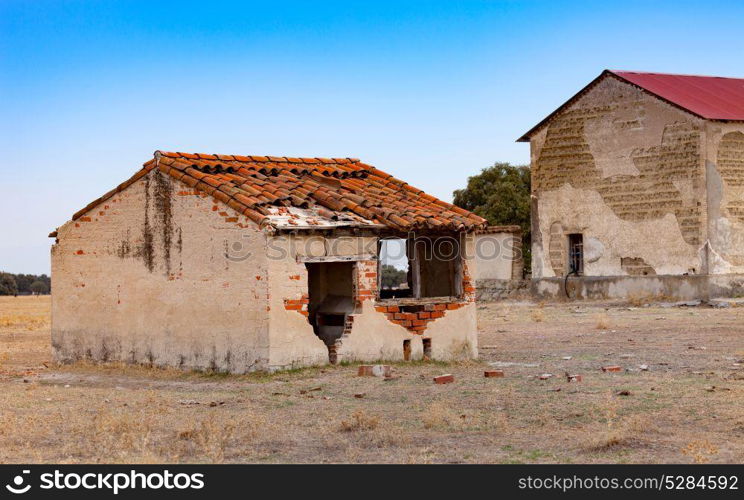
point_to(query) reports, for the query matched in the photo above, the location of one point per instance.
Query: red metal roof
(709, 97)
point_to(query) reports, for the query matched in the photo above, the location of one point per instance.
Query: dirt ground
(687, 407)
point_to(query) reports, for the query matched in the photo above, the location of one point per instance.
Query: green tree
(501, 195)
(39, 287)
(391, 277)
(8, 284)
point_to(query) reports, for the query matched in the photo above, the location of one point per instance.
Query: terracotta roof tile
(253, 185)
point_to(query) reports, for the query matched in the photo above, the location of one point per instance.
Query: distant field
(686, 408)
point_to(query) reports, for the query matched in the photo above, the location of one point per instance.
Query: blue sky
(429, 91)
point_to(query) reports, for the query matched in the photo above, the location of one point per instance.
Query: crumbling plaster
(627, 170)
(163, 275)
(725, 179)
(144, 279)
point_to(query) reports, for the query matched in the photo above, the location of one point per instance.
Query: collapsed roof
(301, 193)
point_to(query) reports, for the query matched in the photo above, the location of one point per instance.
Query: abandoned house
(638, 189)
(238, 263)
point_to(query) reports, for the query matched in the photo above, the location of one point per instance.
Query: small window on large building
(576, 253)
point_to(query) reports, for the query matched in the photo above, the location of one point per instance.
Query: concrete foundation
(644, 288)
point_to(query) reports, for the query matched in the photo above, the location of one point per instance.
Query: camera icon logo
(18, 482)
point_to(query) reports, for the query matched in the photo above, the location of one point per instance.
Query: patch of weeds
(439, 416)
(360, 421)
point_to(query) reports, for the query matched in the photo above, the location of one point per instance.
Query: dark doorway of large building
(331, 294)
(576, 253)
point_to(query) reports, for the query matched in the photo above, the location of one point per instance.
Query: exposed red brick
(493, 373)
(374, 371)
(444, 379)
(612, 368)
(295, 277)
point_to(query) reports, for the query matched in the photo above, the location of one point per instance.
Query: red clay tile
(252, 184)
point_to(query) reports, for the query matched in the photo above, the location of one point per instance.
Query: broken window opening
(437, 266)
(432, 267)
(394, 269)
(331, 301)
(576, 253)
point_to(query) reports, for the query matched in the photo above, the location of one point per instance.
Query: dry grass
(701, 451)
(618, 431)
(360, 421)
(440, 416)
(24, 321)
(602, 321)
(686, 408)
(537, 315)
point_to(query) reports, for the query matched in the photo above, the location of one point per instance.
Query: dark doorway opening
(407, 350)
(576, 253)
(427, 348)
(331, 300)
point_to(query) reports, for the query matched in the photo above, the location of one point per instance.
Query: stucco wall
(627, 171)
(144, 278)
(371, 335)
(160, 274)
(498, 256)
(725, 171)
(293, 341)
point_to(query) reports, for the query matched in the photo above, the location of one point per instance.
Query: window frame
(414, 267)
